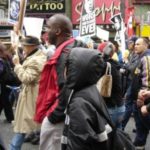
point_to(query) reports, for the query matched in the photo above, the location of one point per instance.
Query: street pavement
(6, 130)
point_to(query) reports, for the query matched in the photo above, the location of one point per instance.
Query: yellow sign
(145, 31)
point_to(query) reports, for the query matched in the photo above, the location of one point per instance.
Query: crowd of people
(59, 102)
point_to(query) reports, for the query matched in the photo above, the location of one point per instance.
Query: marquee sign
(104, 10)
(46, 6)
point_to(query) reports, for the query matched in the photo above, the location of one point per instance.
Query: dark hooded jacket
(85, 126)
(116, 94)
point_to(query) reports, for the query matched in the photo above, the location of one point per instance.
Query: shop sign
(104, 10)
(145, 31)
(46, 6)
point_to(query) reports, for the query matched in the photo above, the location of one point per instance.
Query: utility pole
(122, 8)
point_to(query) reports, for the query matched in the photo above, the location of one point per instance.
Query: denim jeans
(129, 102)
(142, 124)
(116, 114)
(17, 141)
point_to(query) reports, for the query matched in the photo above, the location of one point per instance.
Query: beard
(52, 39)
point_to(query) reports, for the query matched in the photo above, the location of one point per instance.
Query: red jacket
(47, 99)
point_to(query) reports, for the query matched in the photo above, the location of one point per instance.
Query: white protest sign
(120, 30)
(33, 26)
(88, 19)
(102, 34)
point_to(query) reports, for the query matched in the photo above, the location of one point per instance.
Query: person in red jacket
(51, 101)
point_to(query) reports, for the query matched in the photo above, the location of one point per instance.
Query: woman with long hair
(5, 104)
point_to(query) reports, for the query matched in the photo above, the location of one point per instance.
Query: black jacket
(131, 65)
(58, 114)
(116, 94)
(85, 126)
(141, 78)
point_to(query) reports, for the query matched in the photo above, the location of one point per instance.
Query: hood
(84, 67)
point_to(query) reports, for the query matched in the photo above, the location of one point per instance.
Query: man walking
(141, 80)
(53, 95)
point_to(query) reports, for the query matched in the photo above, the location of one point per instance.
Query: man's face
(89, 6)
(130, 45)
(27, 49)
(140, 46)
(117, 23)
(51, 30)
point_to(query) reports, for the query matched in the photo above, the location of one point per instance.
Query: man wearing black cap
(28, 72)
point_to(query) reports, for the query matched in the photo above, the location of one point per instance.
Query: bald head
(63, 22)
(141, 45)
(59, 28)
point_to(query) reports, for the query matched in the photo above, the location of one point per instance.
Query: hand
(16, 60)
(122, 70)
(140, 95)
(146, 94)
(140, 103)
(143, 94)
(144, 110)
(90, 45)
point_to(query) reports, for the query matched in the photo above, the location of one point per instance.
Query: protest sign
(102, 34)
(31, 28)
(88, 21)
(120, 30)
(14, 9)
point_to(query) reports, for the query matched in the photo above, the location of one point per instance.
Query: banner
(104, 9)
(88, 21)
(14, 9)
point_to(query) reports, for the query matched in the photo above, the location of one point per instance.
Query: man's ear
(58, 31)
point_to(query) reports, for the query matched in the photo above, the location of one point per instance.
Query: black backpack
(9, 77)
